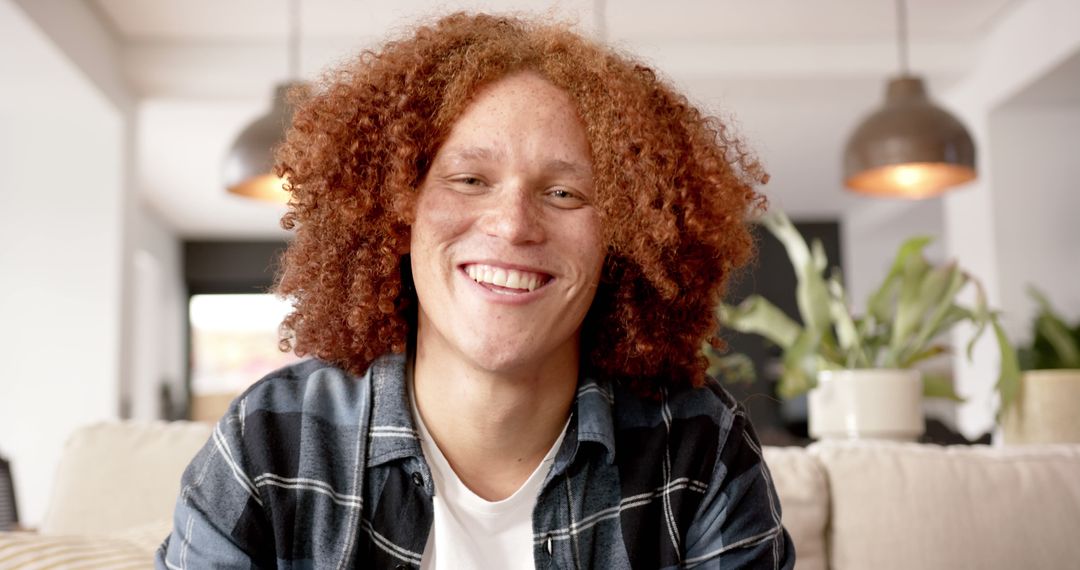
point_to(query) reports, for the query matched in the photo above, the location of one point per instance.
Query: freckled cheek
(436, 222)
(592, 239)
(436, 234)
(444, 216)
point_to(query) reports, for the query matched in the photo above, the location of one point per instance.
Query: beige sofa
(865, 505)
(886, 505)
(112, 499)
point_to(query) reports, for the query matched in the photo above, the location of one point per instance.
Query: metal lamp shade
(909, 148)
(250, 162)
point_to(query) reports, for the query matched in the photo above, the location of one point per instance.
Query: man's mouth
(506, 281)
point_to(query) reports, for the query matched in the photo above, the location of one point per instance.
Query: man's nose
(514, 216)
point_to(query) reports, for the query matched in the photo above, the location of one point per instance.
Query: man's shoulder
(306, 420)
(685, 427)
(709, 403)
(310, 387)
(710, 399)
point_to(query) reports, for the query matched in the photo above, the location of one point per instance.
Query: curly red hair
(674, 189)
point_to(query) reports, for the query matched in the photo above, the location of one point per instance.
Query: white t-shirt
(470, 532)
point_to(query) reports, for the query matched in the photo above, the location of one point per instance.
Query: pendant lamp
(909, 148)
(250, 162)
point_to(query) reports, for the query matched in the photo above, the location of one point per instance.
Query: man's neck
(494, 429)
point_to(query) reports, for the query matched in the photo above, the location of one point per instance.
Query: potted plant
(860, 369)
(1047, 406)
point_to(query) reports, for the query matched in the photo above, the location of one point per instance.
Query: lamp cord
(294, 40)
(901, 32)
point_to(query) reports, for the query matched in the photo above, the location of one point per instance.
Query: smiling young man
(509, 243)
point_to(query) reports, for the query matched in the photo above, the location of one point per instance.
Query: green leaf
(1026, 357)
(1057, 334)
(920, 284)
(800, 366)
(1041, 299)
(939, 386)
(817, 255)
(810, 291)
(980, 316)
(935, 318)
(1051, 327)
(882, 302)
(847, 332)
(812, 297)
(731, 368)
(783, 230)
(1008, 383)
(756, 315)
(925, 354)
(874, 337)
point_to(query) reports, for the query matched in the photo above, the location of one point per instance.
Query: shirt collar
(595, 422)
(393, 434)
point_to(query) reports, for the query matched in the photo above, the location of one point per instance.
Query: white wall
(1020, 48)
(158, 309)
(1036, 190)
(61, 152)
(88, 334)
(76, 29)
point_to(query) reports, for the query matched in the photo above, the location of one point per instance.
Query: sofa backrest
(803, 488)
(850, 505)
(116, 476)
(922, 506)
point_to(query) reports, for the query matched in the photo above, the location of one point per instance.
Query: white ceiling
(795, 75)
(759, 21)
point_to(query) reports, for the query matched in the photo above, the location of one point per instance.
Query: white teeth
(514, 279)
(509, 278)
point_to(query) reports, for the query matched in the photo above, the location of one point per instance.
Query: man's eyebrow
(568, 167)
(480, 153)
(473, 153)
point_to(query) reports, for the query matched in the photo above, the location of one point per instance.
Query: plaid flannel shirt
(314, 468)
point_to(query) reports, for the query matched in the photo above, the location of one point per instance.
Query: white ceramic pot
(1047, 409)
(867, 404)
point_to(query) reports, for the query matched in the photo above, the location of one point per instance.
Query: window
(234, 342)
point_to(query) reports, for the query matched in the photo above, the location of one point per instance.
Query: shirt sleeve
(219, 520)
(738, 524)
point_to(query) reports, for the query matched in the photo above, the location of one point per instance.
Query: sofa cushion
(32, 551)
(920, 506)
(804, 498)
(120, 475)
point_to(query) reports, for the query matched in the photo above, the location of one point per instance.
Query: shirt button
(418, 479)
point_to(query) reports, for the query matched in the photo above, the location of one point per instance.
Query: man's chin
(502, 361)
(514, 361)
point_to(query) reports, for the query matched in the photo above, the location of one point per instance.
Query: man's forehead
(462, 153)
(457, 154)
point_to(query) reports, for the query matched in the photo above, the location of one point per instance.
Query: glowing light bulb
(909, 175)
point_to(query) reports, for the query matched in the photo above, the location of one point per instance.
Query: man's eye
(564, 198)
(467, 184)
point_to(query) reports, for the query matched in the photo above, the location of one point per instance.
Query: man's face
(506, 249)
